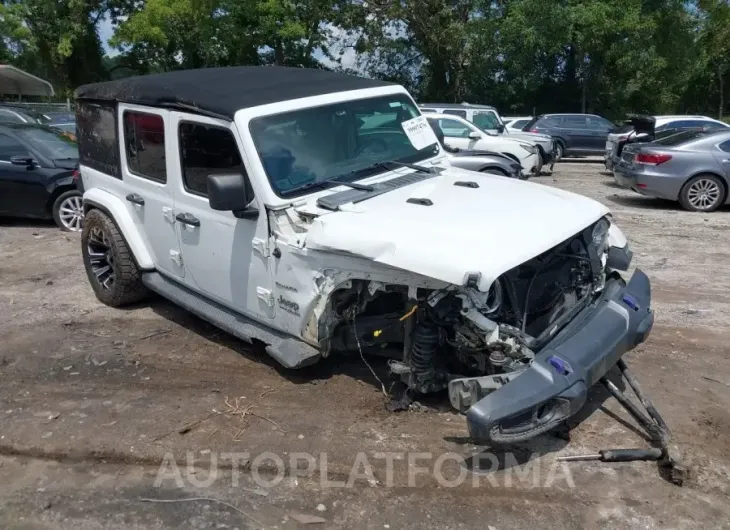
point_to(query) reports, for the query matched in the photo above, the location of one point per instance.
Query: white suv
(317, 213)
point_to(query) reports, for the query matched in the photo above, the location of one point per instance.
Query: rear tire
(559, 151)
(67, 210)
(703, 193)
(109, 264)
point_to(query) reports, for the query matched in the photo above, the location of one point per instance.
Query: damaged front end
(517, 359)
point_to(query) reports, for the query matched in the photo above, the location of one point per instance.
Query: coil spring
(423, 352)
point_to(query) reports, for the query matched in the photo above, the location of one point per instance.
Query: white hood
(488, 230)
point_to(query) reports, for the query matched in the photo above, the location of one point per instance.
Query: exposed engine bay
(436, 336)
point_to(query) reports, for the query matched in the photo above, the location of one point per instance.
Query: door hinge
(168, 214)
(176, 257)
(261, 246)
(266, 295)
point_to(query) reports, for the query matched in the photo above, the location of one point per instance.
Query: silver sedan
(692, 167)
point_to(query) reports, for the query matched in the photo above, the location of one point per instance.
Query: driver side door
(226, 256)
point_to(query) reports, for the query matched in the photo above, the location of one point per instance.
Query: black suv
(574, 134)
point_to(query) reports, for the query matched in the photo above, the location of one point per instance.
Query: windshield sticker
(419, 132)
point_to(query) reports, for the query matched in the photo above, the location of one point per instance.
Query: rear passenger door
(147, 139)
(599, 129)
(225, 256)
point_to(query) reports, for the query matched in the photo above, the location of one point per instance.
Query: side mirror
(475, 135)
(23, 160)
(500, 129)
(228, 193)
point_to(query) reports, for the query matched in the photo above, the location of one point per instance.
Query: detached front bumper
(556, 384)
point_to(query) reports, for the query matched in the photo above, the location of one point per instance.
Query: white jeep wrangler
(316, 212)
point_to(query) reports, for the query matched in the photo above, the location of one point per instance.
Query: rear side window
(679, 138)
(543, 121)
(519, 124)
(208, 150)
(575, 122)
(96, 124)
(144, 144)
(10, 147)
(725, 146)
(461, 113)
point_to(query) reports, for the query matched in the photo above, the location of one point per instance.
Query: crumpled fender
(117, 210)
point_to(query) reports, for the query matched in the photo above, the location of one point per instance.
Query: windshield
(335, 141)
(50, 144)
(486, 120)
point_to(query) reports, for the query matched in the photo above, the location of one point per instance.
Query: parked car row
(480, 119)
(689, 166)
(38, 174)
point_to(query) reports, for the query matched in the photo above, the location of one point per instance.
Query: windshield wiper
(387, 164)
(334, 180)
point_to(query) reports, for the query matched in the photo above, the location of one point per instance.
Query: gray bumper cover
(556, 384)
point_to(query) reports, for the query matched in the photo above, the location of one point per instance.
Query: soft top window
(96, 124)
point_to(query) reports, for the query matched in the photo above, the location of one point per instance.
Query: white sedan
(463, 134)
(516, 123)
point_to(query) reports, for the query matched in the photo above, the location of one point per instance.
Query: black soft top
(220, 92)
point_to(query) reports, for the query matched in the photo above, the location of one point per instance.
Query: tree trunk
(279, 53)
(720, 75)
(583, 96)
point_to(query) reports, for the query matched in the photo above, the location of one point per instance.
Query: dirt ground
(93, 400)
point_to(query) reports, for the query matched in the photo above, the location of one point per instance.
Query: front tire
(703, 193)
(109, 264)
(68, 211)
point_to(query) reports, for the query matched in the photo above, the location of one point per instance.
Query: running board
(288, 351)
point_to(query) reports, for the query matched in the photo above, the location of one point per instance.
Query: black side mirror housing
(22, 160)
(500, 129)
(228, 193)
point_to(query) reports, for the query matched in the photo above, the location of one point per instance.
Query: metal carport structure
(14, 81)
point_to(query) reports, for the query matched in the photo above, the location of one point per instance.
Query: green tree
(56, 39)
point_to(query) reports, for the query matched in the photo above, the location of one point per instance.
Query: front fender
(62, 182)
(117, 210)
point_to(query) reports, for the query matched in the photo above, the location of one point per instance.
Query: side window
(486, 120)
(725, 146)
(10, 147)
(550, 121)
(454, 129)
(704, 124)
(208, 150)
(575, 122)
(10, 116)
(144, 144)
(460, 113)
(600, 124)
(96, 124)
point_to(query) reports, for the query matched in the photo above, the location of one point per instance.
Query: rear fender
(117, 211)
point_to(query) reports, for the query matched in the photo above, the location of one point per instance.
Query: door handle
(136, 199)
(187, 219)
